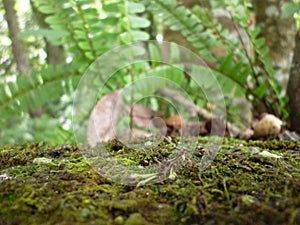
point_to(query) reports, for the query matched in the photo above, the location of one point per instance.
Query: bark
(293, 89)
(279, 33)
(14, 32)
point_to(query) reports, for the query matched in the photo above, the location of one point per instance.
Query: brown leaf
(177, 121)
(104, 118)
(142, 116)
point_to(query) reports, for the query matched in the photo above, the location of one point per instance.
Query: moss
(42, 184)
(136, 219)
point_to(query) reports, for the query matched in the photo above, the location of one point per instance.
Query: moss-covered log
(247, 183)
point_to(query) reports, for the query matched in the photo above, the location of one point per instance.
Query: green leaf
(122, 9)
(110, 20)
(175, 53)
(290, 9)
(264, 52)
(89, 13)
(140, 35)
(47, 9)
(155, 55)
(244, 73)
(135, 36)
(43, 87)
(138, 22)
(135, 7)
(84, 45)
(86, 2)
(50, 35)
(53, 20)
(203, 76)
(176, 27)
(260, 91)
(254, 33)
(80, 34)
(171, 73)
(227, 63)
(236, 69)
(227, 87)
(111, 7)
(259, 42)
(89, 55)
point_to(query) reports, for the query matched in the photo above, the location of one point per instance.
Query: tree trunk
(279, 33)
(293, 89)
(14, 32)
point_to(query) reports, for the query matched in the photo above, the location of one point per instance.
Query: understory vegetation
(84, 30)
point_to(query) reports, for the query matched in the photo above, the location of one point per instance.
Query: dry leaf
(104, 118)
(143, 116)
(177, 121)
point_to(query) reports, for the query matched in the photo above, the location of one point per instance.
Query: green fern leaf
(138, 22)
(134, 7)
(26, 94)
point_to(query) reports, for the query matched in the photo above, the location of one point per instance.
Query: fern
(235, 66)
(79, 23)
(87, 36)
(87, 31)
(178, 18)
(26, 94)
(266, 88)
(204, 40)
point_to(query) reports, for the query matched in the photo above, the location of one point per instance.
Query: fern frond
(60, 15)
(203, 38)
(80, 19)
(179, 18)
(265, 87)
(236, 64)
(26, 94)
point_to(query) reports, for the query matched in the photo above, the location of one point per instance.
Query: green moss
(136, 219)
(41, 184)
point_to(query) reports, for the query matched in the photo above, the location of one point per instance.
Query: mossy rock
(42, 184)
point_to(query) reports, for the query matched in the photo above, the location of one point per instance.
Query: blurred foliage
(292, 9)
(88, 28)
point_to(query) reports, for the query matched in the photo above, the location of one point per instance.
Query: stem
(84, 26)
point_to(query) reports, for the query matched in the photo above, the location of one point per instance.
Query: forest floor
(248, 182)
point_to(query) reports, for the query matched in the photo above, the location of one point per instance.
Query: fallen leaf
(143, 116)
(177, 121)
(104, 118)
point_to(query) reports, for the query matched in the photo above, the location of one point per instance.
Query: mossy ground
(41, 184)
